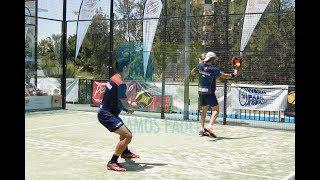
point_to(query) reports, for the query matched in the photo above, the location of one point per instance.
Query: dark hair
(121, 64)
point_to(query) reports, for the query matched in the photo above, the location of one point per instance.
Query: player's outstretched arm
(228, 75)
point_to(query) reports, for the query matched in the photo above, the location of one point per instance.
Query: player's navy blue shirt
(207, 78)
(112, 95)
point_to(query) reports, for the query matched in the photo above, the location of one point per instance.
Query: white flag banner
(251, 20)
(152, 10)
(259, 97)
(86, 12)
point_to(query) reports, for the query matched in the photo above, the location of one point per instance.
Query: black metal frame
(110, 62)
(227, 53)
(35, 38)
(186, 61)
(36, 44)
(163, 83)
(64, 54)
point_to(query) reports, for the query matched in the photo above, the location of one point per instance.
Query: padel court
(65, 144)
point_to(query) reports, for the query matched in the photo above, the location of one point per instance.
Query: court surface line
(70, 124)
(175, 164)
(66, 125)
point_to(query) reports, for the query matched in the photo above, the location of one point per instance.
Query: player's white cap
(210, 55)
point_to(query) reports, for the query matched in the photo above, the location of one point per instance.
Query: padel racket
(236, 63)
(143, 99)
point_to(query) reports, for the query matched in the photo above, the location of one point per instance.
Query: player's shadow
(229, 138)
(131, 165)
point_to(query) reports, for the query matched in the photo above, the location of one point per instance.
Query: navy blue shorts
(110, 121)
(208, 99)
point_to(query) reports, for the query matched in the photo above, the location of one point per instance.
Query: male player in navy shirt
(209, 72)
(114, 101)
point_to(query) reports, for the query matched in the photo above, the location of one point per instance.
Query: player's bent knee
(215, 108)
(129, 136)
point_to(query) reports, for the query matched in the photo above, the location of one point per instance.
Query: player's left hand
(130, 111)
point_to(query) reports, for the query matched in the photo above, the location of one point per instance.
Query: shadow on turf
(131, 165)
(228, 138)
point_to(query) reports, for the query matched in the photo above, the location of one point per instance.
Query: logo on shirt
(109, 86)
(203, 73)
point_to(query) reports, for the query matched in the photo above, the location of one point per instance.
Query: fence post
(163, 61)
(225, 91)
(64, 54)
(186, 62)
(227, 53)
(110, 62)
(36, 45)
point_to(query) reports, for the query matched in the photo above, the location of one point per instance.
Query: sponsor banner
(291, 102)
(259, 97)
(97, 91)
(133, 87)
(155, 105)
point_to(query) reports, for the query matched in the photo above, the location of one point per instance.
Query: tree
(71, 48)
(45, 48)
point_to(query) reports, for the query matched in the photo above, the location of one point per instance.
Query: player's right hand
(235, 72)
(134, 105)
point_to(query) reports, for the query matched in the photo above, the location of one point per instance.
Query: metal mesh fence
(268, 58)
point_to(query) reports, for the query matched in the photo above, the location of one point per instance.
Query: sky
(53, 9)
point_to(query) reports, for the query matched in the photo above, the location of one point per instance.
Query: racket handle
(235, 71)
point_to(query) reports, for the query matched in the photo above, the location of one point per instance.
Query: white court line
(175, 164)
(291, 176)
(239, 173)
(60, 144)
(71, 124)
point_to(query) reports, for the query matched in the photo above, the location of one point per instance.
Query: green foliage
(270, 56)
(71, 70)
(50, 68)
(270, 52)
